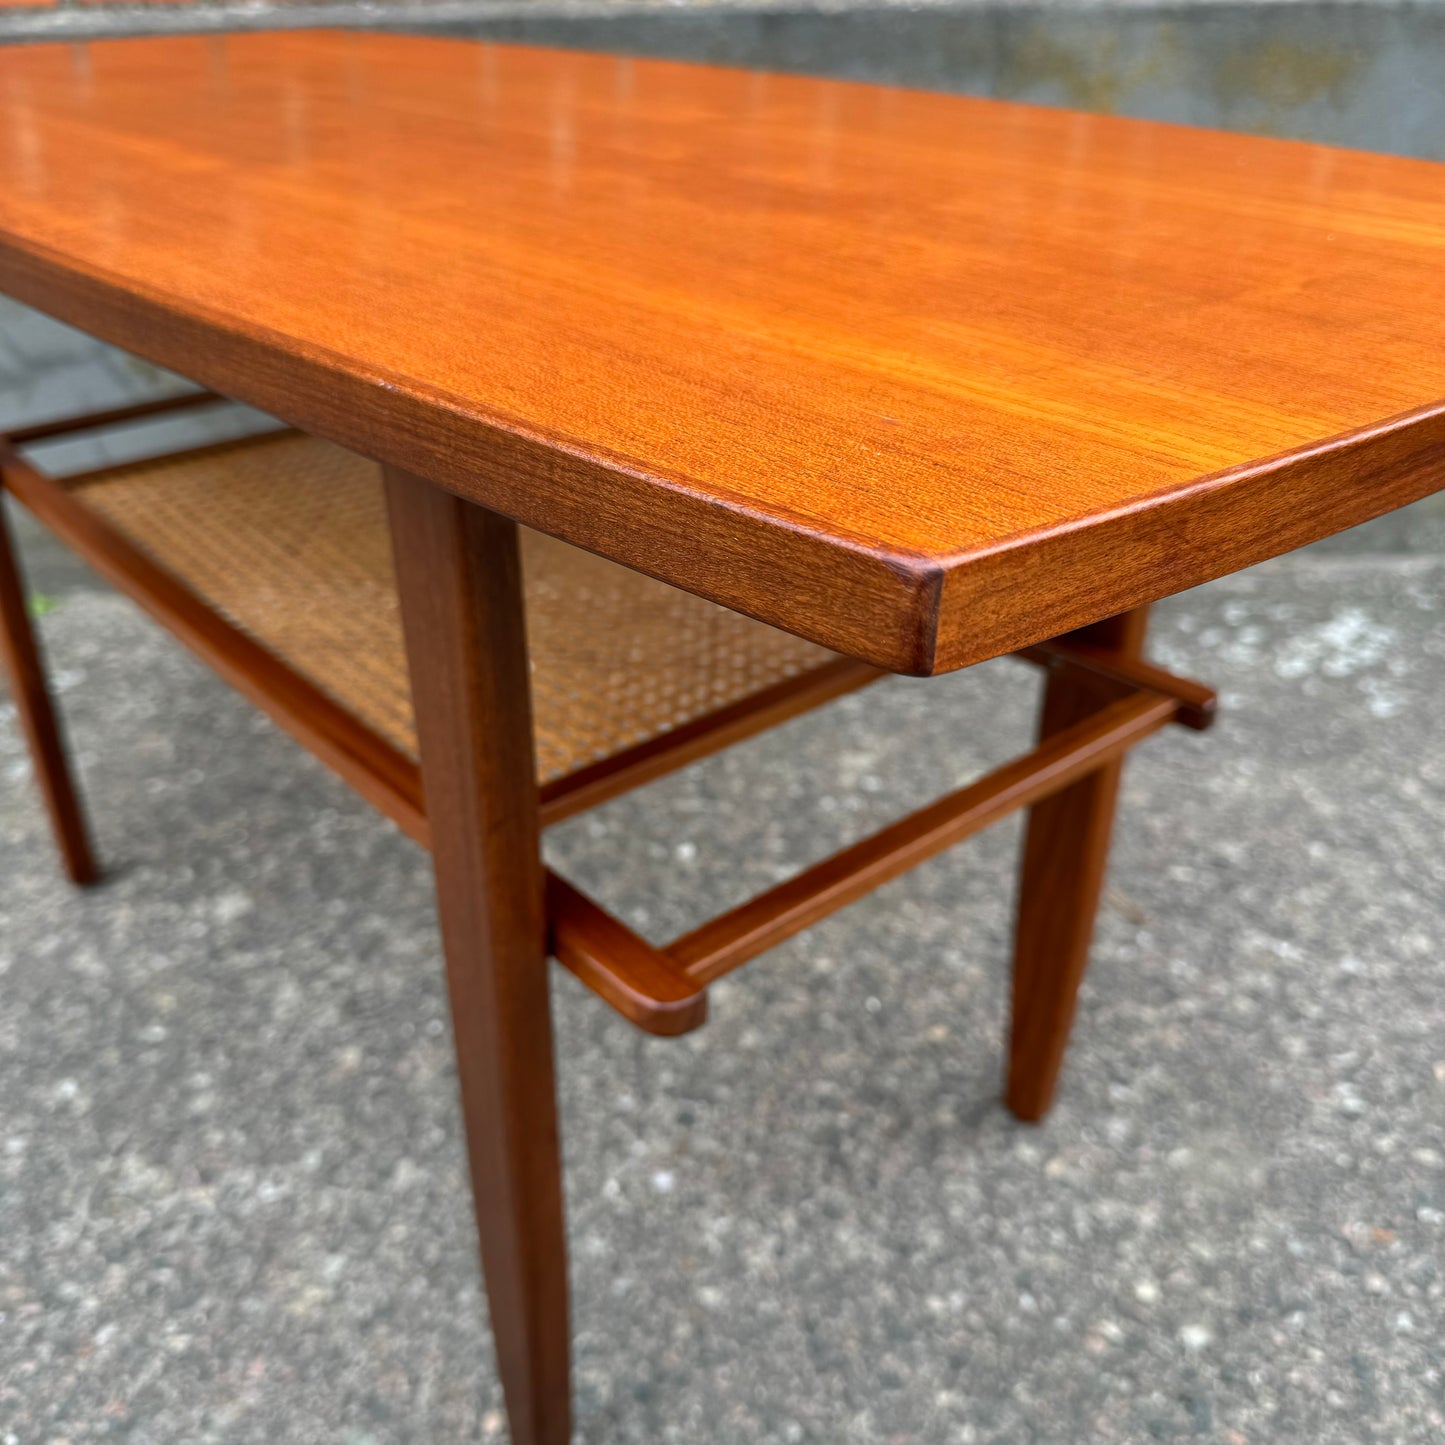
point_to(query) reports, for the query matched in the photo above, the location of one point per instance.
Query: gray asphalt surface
(232, 1195)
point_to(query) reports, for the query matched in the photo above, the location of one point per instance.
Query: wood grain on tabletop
(922, 377)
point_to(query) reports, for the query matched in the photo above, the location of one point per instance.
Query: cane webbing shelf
(271, 557)
(286, 536)
(297, 607)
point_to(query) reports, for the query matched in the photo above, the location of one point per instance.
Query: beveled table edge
(1107, 562)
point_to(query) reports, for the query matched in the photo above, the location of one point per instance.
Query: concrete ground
(232, 1195)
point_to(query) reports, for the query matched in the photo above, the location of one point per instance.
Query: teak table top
(921, 377)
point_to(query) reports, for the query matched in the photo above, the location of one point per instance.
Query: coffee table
(915, 380)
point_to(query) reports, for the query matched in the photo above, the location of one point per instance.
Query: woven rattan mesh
(287, 538)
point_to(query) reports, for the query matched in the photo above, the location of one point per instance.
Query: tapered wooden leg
(1065, 852)
(20, 654)
(459, 577)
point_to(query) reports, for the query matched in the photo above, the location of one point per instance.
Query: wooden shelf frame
(662, 990)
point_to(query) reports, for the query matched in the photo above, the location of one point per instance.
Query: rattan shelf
(286, 537)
